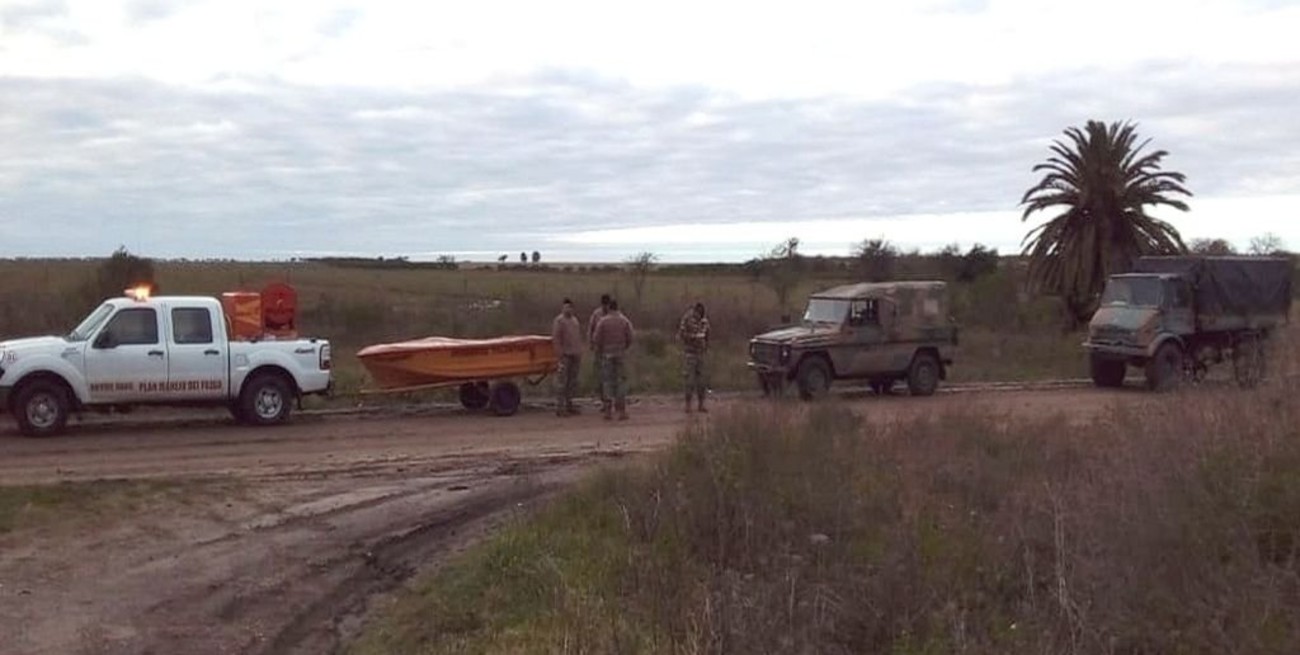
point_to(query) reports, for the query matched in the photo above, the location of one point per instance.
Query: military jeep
(881, 333)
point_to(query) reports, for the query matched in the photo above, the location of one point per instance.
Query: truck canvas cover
(1249, 288)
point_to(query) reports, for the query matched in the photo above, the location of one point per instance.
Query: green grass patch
(792, 529)
(29, 506)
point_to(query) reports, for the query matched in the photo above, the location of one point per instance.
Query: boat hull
(441, 360)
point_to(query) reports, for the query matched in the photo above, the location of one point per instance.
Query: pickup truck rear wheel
(265, 400)
(814, 378)
(923, 375)
(41, 408)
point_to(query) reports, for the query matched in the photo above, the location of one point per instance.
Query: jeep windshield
(826, 310)
(92, 323)
(1133, 291)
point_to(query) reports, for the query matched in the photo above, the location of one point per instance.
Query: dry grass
(1170, 529)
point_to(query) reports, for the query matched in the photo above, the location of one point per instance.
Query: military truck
(1174, 317)
(881, 333)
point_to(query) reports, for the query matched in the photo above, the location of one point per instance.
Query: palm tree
(1104, 184)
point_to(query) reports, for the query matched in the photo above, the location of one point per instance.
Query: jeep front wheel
(923, 375)
(41, 408)
(814, 378)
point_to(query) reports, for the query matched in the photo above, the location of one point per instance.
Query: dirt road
(311, 522)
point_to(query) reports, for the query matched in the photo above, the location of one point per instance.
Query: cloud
(553, 160)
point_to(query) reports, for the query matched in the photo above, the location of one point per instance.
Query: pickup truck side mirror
(105, 340)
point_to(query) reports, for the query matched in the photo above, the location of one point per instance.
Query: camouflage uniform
(693, 332)
(566, 336)
(597, 366)
(612, 339)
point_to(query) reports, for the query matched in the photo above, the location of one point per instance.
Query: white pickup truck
(138, 350)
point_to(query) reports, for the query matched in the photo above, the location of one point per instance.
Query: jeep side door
(126, 360)
(866, 339)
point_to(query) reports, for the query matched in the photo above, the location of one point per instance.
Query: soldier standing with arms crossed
(566, 335)
(613, 338)
(597, 314)
(693, 332)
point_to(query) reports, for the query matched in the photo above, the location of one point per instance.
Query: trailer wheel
(265, 400)
(41, 408)
(504, 398)
(1165, 371)
(474, 395)
(1107, 372)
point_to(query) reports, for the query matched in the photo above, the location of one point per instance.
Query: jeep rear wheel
(814, 378)
(41, 408)
(923, 375)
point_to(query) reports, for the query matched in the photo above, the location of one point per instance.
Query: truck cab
(878, 332)
(170, 350)
(1175, 316)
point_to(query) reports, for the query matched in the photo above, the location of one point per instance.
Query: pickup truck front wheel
(265, 400)
(41, 408)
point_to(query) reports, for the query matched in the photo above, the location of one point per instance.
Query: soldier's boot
(622, 410)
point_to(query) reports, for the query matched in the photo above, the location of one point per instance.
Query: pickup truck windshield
(826, 310)
(1133, 291)
(92, 323)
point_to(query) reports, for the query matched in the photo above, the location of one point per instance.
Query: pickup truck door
(197, 368)
(127, 360)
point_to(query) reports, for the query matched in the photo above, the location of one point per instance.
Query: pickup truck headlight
(325, 362)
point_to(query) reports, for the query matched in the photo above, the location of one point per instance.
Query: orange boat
(470, 363)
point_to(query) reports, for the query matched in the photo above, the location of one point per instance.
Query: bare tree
(638, 268)
(1211, 247)
(1267, 244)
(782, 270)
(876, 259)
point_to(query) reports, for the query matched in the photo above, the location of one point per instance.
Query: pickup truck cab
(166, 350)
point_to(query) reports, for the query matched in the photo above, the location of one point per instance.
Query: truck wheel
(1248, 361)
(265, 400)
(41, 408)
(1107, 372)
(504, 398)
(1165, 371)
(923, 375)
(474, 395)
(814, 378)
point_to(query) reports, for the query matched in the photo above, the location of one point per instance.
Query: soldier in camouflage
(612, 339)
(693, 332)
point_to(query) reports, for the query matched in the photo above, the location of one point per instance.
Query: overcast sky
(591, 130)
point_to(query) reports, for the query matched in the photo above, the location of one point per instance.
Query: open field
(1006, 336)
(1152, 524)
(280, 540)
